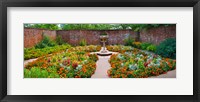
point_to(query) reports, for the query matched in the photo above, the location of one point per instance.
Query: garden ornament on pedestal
(104, 52)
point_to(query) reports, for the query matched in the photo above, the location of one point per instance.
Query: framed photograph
(102, 50)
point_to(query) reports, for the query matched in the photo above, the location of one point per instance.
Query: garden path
(29, 60)
(102, 66)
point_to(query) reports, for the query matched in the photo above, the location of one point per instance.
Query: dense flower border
(30, 53)
(76, 62)
(138, 64)
(119, 48)
(33, 52)
(89, 48)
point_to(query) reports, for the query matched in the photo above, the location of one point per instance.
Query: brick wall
(157, 35)
(34, 36)
(154, 35)
(92, 36)
(50, 33)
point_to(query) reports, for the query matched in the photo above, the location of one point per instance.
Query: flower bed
(119, 48)
(76, 62)
(139, 64)
(30, 53)
(34, 52)
(89, 48)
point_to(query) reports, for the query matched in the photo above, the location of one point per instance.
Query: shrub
(59, 40)
(151, 48)
(35, 72)
(167, 48)
(137, 44)
(83, 42)
(128, 41)
(46, 42)
(145, 45)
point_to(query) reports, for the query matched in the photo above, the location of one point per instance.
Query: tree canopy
(135, 27)
(43, 26)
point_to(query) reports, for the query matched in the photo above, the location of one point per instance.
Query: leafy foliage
(139, 64)
(43, 26)
(167, 48)
(145, 45)
(139, 27)
(46, 42)
(118, 48)
(90, 48)
(151, 48)
(83, 42)
(135, 27)
(34, 53)
(86, 26)
(93, 57)
(137, 44)
(128, 41)
(73, 63)
(59, 40)
(36, 72)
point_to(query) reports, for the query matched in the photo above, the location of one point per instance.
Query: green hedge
(167, 48)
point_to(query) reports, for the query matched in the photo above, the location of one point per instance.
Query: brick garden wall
(34, 36)
(154, 35)
(50, 33)
(157, 35)
(92, 36)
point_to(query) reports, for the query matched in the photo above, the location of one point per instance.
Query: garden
(81, 58)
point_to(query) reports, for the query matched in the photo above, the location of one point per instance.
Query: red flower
(74, 65)
(146, 64)
(68, 61)
(49, 60)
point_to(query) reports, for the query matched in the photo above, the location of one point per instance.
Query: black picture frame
(99, 3)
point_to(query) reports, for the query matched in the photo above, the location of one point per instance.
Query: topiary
(167, 48)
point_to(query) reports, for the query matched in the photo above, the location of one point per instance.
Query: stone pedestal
(103, 51)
